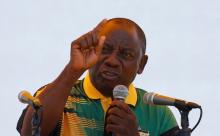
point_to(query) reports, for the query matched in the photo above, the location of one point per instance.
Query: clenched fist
(120, 120)
(86, 49)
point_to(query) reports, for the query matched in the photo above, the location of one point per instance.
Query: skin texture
(121, 58)
(113, 54)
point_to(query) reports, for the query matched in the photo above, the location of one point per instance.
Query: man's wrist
(70, 75)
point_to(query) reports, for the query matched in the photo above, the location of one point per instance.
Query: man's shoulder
(140, 91)
(157, 117)
(77, 89)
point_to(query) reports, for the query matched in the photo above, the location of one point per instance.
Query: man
(114, 53)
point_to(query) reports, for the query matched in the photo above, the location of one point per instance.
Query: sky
(183, 49)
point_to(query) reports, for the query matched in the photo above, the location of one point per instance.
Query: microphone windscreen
(24, 96)
(120, 92)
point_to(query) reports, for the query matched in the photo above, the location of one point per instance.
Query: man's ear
(142, 64)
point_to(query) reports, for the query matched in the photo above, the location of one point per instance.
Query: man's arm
(84, 54)
(53, 99)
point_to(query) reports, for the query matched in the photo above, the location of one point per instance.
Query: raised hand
(86, 49)
(84, 53)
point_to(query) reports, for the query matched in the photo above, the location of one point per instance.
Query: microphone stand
(36, 120)
(184, 112)
(185, 131)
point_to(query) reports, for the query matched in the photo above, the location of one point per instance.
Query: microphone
(120, 92)
(157, 99)
(27, 98)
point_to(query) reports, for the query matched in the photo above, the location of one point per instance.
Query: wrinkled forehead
(124, 33)
(112, 27)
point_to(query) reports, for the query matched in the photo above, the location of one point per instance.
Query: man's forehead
(121, 31)
(114, 26)
(113, 29)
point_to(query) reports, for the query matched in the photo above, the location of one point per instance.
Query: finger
(98, 48)
(85, 40)
(95, 32)
(113, 119)
(117, 112)
(122, 106)
(115, 129)
(100, 25)
(76, 42)
(116, 115)
(89, 39)
(94, 38)
(83, 43)
(75, 46)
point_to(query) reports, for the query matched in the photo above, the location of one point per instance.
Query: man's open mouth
(109, 75)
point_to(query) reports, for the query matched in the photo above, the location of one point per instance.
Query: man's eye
(127, 55)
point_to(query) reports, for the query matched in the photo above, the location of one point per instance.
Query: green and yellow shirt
(84, 112)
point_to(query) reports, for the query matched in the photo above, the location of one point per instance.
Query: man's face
(120, 59)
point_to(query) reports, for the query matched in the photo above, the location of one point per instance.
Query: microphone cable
(199, 120)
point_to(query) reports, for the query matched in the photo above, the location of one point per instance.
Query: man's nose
(112, 60)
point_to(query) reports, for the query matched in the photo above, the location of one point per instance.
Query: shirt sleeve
(21, 118)
(169, 126)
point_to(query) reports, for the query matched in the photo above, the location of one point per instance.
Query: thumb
(100, 45)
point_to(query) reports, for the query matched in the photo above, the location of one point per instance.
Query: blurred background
(183, 48)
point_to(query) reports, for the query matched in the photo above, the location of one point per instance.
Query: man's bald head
(122, 57)
(131, 24)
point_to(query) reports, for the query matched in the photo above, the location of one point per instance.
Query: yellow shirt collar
(93, 93)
